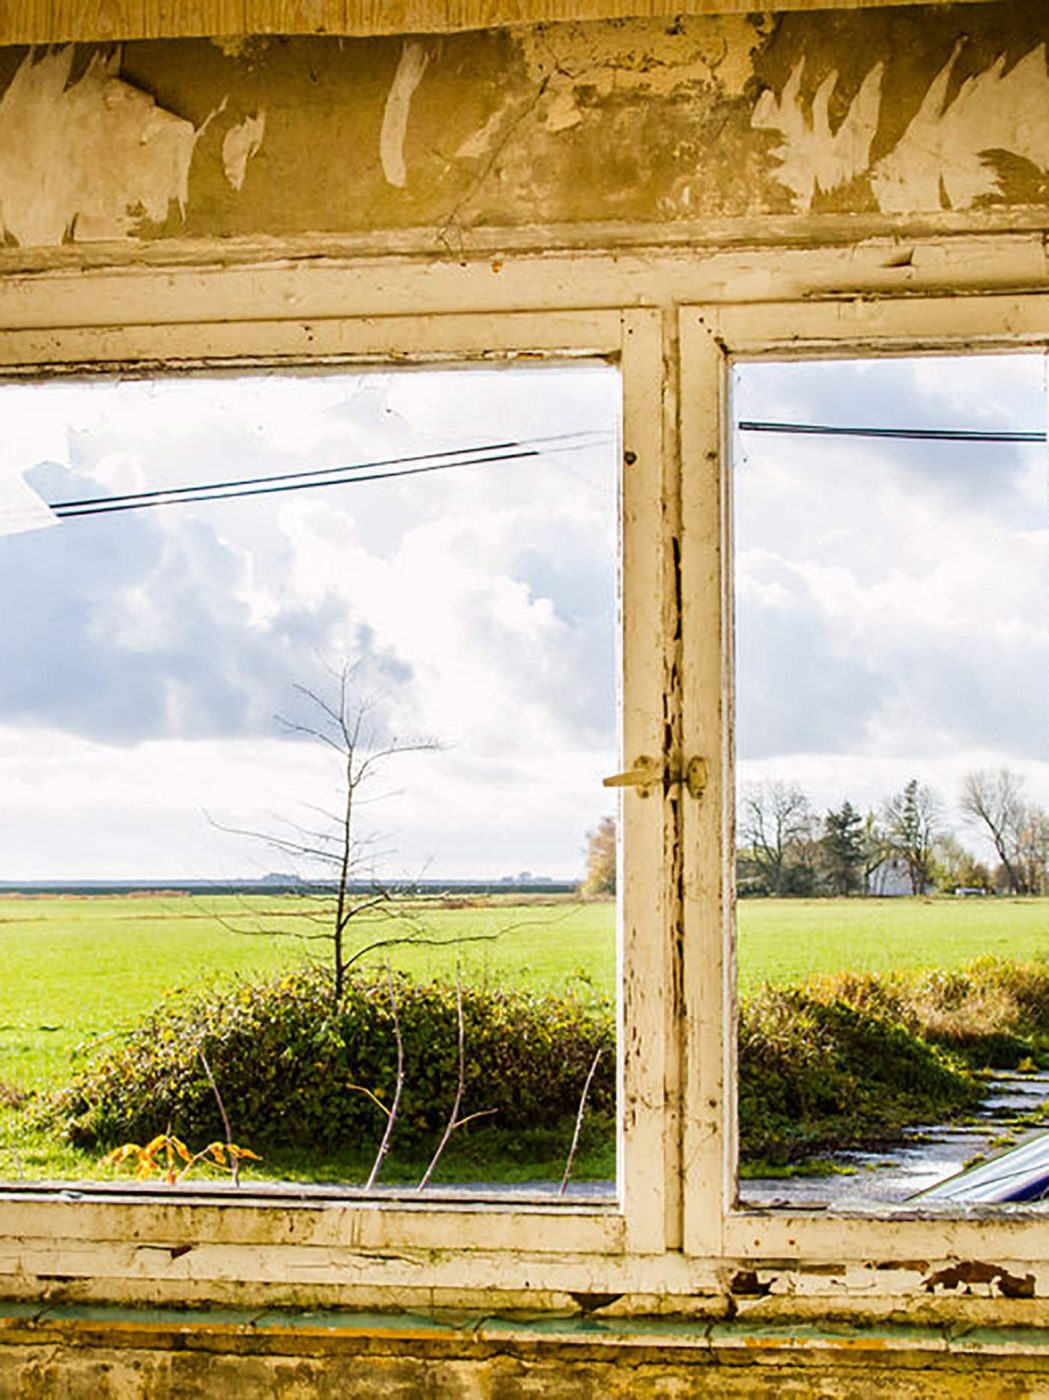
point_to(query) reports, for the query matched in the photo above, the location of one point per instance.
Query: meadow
(78, 971)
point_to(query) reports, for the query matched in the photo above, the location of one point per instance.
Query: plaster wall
(693, 124)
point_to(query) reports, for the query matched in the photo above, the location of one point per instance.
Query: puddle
(930, 1155)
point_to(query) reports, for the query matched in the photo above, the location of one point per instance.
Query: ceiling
(61, 21)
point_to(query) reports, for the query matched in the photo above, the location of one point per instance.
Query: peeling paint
(814, 159)
(479, 141)
(647, 56)
(410, 70)
(575, 66)
(239, 145)
(955, 155)
(86, 160)
(985, 1278)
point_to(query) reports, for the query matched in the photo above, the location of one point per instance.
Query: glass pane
(892, 649)
(310, 684)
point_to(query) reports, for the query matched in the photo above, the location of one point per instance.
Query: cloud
(891, 596)
(478, 605)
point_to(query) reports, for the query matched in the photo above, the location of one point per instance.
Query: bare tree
(875, 849)
(348, 906)
(1036, 849)
(777, 828)
(579, 1122)
(996, 801)
(912, 823)
(455, 1118)
(347, 893)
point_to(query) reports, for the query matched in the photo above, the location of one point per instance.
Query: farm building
(664, 186)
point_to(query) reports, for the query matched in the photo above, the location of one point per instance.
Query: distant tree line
(786, 848)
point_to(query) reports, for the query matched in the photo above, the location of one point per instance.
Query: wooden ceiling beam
(107, 21)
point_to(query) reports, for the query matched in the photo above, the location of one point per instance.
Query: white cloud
(893, 597)
(155, 649)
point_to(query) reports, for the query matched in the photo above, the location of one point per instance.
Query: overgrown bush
(992, 1012)
(842, 1061)
(286, 1062)
(819, 1074)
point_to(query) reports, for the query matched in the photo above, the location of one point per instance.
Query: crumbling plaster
(895, 112)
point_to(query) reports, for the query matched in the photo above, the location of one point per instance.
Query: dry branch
(454, 1121)
(579, 1123)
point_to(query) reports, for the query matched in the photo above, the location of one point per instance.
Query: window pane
(892, 649)
(310, 685)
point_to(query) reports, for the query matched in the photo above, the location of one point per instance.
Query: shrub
(818, 1073)
(992, 1012)
(842, 1061)
(285, 1060)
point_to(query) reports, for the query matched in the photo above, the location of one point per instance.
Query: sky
(892, 597)
(892, 609)
(154, 658)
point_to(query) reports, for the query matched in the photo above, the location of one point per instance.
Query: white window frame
(673, 320)
(632, 340)
(712, 337)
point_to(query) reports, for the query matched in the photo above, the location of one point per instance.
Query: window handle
(647, 772)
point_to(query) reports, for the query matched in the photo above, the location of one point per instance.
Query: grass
(787, 940)
(80, 970)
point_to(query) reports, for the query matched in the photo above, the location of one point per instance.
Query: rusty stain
(962, 1276)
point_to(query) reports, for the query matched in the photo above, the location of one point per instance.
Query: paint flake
(86, 160)
(239, 145)
(953, 155)
(813, 159)
(410, 70)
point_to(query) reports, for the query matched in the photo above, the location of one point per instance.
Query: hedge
(286, 1062)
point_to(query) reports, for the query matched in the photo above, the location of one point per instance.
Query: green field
(786, 940)
(77, 971)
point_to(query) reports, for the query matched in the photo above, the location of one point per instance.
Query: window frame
(712, 338)
(632, 340)
(674, 319)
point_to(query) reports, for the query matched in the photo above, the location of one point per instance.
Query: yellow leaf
(120, 1154)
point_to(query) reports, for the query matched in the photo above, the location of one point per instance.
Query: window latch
(648, 772)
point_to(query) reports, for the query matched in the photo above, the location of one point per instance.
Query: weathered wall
(884, 114)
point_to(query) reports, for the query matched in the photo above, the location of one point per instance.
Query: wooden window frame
(712, 338)
(673, 320)
(630, 339)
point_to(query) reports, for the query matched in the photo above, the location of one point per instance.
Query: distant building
(890, 879)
